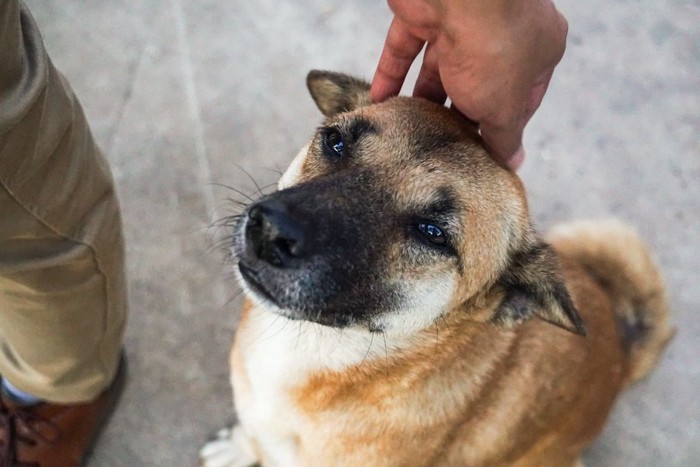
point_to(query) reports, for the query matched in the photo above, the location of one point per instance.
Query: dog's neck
(319, 347)
(306, 347)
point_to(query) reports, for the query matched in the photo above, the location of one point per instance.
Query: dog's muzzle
(313, 251)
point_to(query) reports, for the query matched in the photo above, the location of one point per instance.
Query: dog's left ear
(336, 92)
(533, 285)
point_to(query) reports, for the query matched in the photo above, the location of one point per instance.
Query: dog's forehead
(420, 124)
(418, 145)
(409, 147)
(416, 112)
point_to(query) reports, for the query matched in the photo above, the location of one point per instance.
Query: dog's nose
(276, 235)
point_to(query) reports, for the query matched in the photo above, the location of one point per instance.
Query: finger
(429, 84)
(517, 159)
(464, 116)
(504, 144)
(536, 94)
(501, 147)
(400, 49)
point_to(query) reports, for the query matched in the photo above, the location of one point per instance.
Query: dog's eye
(333, 144)
(432, 233)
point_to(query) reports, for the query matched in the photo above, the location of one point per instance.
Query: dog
(402, 311)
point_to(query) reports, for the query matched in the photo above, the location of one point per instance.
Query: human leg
(62, 300)
(62, 290)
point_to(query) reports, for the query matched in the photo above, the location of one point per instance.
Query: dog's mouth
(250, 276)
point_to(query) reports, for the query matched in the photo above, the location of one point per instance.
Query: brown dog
(403, 312)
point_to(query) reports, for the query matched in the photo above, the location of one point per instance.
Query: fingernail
(516, 160)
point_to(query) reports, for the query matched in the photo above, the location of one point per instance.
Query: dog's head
(393, 216)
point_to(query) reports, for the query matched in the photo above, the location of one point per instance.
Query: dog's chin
(254, 286)
(259, 293)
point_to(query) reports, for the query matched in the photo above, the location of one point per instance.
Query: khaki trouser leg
(62, 290)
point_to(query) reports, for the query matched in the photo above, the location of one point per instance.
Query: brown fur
(484, 394)
(615, 256)
(488, 384)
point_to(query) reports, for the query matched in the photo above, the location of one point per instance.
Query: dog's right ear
(534, 286)
(336, 92)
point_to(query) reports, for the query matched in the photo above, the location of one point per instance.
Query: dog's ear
(336, 92)
(533, 285)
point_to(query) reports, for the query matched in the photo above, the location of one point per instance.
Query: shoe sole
(116, 390)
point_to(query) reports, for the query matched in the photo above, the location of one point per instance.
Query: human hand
(493, 58)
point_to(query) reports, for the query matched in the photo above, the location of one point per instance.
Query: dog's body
(401, 307)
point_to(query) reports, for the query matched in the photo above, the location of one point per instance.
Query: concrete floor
(182, 95)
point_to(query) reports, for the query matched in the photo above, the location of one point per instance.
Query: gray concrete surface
(183, 94)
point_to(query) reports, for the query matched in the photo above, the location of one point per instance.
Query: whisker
(235, 190)
(238, 203)
(286, 322)
(226, 221)
(264, 331)
(386, 355)
(437, 336)
(371, 340)
(270, 185)
(298, 336)
(234, 297)
(252, 179)
(275, 170)
(447, 326)
(224, 246)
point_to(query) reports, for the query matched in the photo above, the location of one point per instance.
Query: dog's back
(620, 262)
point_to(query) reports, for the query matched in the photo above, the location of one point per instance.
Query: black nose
(276, 235)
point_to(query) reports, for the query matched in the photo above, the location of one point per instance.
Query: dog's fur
(371, 338)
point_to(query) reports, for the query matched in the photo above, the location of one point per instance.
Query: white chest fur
(281, 354)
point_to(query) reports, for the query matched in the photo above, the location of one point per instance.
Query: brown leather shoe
(53, 435)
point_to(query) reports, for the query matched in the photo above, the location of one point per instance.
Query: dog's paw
(231, 448)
